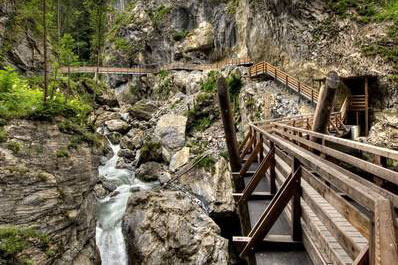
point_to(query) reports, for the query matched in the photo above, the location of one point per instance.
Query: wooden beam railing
(291, 82)
(335, 185)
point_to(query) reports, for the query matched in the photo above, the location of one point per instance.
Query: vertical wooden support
(366, 107)
(296, 206)
(299, 92)
(276, 73)
(229, 126)
(357, 117)
(325, 104)
(272, 173)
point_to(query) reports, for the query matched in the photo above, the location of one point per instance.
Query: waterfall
(111, 209)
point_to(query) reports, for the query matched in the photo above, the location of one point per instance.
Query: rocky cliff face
(48, 187)
(22, 49)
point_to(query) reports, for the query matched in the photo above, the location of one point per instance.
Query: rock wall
(24, 52)
(45, 186)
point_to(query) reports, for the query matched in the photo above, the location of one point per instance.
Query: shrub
(63, 152)
(210, 85)
(14, 240)
(180, 35)
(14, 146)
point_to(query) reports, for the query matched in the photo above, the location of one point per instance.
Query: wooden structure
(153, 69)
(339, 216)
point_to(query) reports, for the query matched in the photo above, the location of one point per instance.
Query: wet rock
(117, 126)
(150, 171)
(127, 153)
(142, 110)
(168, 228)
(150, 151)
(133, 140)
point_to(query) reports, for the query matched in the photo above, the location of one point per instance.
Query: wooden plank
(296, 207)
(272, 212)
(386, 252)
(358, 192)
(255, 196)
(271, 242)
(384, 152)
(374, 169)
(247, 147)
(352, 214)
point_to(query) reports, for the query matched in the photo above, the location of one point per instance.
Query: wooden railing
(341, 199)
(150, 69)
(291, 82)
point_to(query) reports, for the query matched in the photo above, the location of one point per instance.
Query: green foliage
(163, 74)
(15, 147)
(210, 85)
(81, 134)
(225, 155)
(159, 14)
(14, 240)
(150, 151)
(180, 35)
(63, 152)
(207, 162)
(3, 135)
(201, 116)
(201, 124)
(66, 52)
(19, 100)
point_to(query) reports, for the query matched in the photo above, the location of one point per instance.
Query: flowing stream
(111, 209)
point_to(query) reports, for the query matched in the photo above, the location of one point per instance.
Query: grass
(14, 240)
(210, 84)
(158, 15)
(207, 162)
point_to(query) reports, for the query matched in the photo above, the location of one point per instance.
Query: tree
(44, 10)
(67, 55)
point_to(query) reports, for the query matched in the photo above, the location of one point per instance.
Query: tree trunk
(45, 50)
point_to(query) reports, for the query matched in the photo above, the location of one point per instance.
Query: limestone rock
(180, 158)
(170, 129)
(150, 171)
(169, 228)
(117, 126)
(53, 194)
(202, 38)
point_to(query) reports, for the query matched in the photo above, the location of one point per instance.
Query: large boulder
(170, 130)
(117, 126)
(213, 184)
(180, 158)
(150, 171)
(168, 228)
(142, 110)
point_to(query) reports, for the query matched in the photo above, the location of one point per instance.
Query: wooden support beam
(260, 173)
(363, 257)
(251, 158)
(296, 206)
(229, 125)
(273, 211)
(325, 103)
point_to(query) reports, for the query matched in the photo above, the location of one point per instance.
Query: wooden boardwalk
(304, 193)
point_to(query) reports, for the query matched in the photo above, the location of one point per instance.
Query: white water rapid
(110, 211)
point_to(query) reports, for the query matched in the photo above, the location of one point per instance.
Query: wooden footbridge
(306, 197)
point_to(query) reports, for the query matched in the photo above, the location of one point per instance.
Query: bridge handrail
(295, 84)
(382, 230)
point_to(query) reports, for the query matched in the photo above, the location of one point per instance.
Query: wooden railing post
(272, 173)
(296, 206)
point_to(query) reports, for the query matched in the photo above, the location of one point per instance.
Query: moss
(157, 16)
(180, 35)
(15, 147)
(151, 151)
(63, 152)
(3, 135)
(14, 240)
(207, 162)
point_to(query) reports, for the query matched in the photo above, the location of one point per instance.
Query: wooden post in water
(325, 103)
(229, 125)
